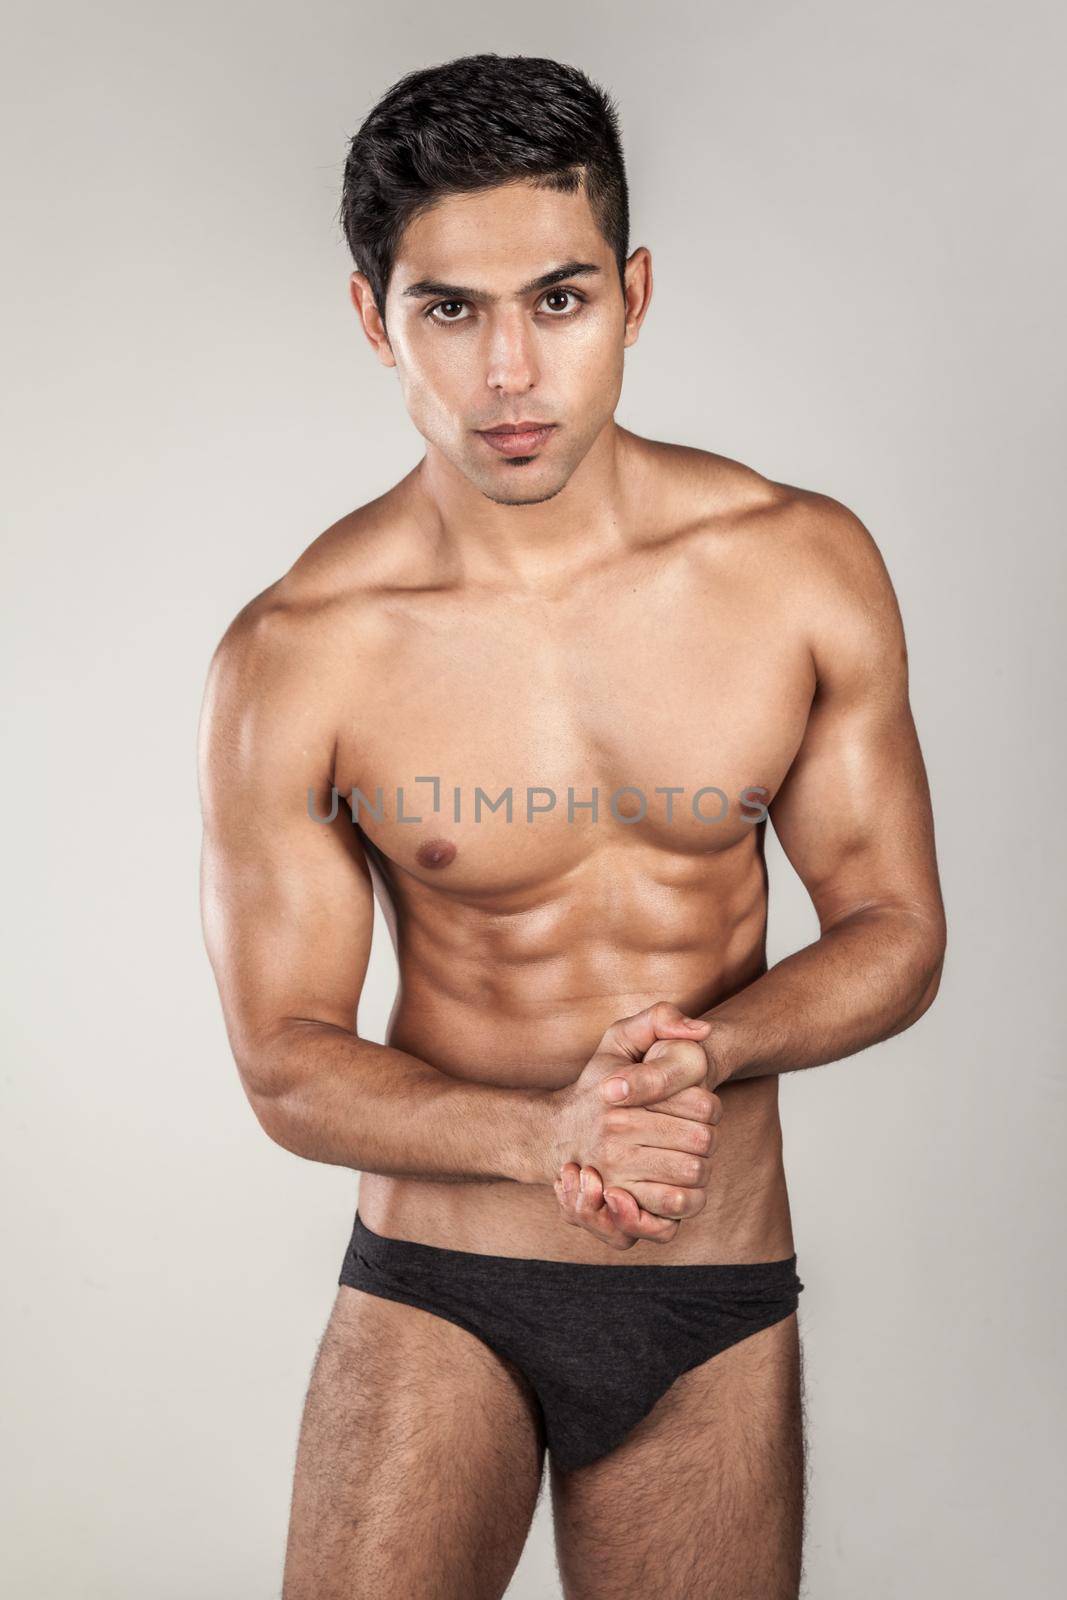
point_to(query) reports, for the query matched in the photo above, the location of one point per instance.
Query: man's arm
(288, 910)
(853, 817)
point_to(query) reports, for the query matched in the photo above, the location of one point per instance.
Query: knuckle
(609, 1151)
(610, 1039)
(651, 1081)
(683, 1056)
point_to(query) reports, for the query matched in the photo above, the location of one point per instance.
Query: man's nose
(512, 357)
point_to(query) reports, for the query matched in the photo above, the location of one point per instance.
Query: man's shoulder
(724, 492)
(328, 606)
(816, 567)
(737, 513)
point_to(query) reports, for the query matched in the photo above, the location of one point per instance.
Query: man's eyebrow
(456, 291)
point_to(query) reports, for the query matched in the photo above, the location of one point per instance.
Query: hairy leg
(705, 1497)
(419, 1462)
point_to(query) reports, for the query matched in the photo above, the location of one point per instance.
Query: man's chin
(519, 492)
(533, 497)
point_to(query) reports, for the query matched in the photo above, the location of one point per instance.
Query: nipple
(436, 853)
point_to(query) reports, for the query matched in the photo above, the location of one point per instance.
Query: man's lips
(517, 439)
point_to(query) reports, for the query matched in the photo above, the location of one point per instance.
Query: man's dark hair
(471, 124)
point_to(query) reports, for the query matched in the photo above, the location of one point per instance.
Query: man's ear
(367, 311)
(637, 292)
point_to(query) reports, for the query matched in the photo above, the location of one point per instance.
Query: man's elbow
(271, 1113)
(296, 1074)
(933, 984)
(267, 1073)
(931, 945)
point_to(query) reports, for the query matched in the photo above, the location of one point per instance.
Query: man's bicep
(853, 814)
(287, 901)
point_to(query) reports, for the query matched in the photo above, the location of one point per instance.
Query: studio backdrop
(857, 238)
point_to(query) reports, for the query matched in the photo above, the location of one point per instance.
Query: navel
(436, 853)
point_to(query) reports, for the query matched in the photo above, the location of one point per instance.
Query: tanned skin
(608, 611)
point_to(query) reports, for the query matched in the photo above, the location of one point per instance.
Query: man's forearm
(325, 1094)
(867, 978)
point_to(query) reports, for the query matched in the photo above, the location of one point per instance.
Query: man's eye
(558, 294)
(556, 314)
(440, 306)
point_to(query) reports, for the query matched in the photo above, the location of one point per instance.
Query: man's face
(477, 342)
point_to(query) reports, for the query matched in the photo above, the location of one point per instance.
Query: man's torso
(682, 663)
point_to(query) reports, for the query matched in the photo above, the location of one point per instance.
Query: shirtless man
(570, 609)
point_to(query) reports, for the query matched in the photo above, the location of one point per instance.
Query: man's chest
(494, 747)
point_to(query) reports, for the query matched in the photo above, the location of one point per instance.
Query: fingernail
(618, 1089)
(582, 1183)
(568, 1183)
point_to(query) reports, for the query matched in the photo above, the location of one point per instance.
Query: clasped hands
(657, 1141)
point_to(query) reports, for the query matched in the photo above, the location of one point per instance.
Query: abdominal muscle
(515, 1041)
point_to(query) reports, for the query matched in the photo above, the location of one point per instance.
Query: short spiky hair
(470, 124)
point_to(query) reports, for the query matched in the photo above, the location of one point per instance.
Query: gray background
(855, 222)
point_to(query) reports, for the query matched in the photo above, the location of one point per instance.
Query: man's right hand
(658, 1147)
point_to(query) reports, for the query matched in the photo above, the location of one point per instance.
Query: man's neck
(538, 545)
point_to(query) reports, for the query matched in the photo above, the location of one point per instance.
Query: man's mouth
(517, 438)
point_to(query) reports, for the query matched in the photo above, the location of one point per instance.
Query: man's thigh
(705, 1497)
(419, 1462)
